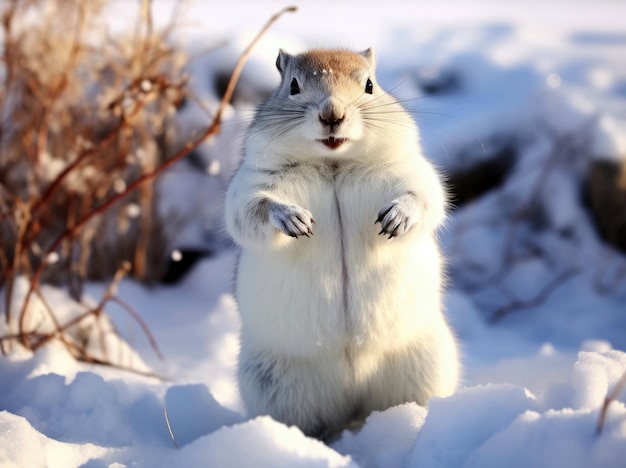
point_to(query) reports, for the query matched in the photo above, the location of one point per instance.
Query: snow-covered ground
(539, 304)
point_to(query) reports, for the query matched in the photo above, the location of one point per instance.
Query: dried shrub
(83, 114)
(84, 133)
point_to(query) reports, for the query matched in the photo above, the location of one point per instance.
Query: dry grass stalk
(169, 427)
(94, 132)
(612, 396)
(80, 117)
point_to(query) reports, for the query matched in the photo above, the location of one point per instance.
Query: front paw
(291, 220)
(398, 216)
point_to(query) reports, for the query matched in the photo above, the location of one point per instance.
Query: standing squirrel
(339, 282)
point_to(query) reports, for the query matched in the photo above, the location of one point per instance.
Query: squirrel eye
(369, 86)
(293, 87)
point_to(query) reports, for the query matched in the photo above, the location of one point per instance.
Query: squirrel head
(327, 103)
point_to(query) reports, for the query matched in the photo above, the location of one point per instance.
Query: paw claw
(383, 213)
(396, 218)
(291, 220)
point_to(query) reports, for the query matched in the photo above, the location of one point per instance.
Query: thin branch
(92, 360)
(141, 323)
(234, 77)
(60, 329)
(111, 136)
(16, 336)
(539, 298)
(14, 268)
(169, 428)
(607, 401)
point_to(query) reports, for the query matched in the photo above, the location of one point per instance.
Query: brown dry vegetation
(86, 125)
(83, 113)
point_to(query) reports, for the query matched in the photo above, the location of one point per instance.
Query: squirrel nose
(331, 120)
(332, 113)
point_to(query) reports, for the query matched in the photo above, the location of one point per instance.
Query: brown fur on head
(338, 60)
(319, 74)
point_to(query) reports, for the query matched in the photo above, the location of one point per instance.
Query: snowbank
(537, 406)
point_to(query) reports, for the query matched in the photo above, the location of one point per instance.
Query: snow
(548, 77)
(259, 442)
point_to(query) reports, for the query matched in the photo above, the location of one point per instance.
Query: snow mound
(523, 409)
(22, 446)
(19, 443)
(261, 442)
(386, 438)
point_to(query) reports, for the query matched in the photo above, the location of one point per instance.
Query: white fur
(344, 321)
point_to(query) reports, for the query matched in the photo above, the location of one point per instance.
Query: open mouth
(333, 143)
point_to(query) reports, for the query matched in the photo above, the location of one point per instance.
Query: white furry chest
(343, 286)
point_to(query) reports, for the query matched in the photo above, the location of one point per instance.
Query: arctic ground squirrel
(339, 279)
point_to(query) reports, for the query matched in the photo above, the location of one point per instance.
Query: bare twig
(539, 298)
(92, 360)
(607, 401)
(133, 313)
(169, 428)
(21, 212)
(111, 136)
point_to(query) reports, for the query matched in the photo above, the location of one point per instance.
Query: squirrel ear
(282, 60)
(370, 56)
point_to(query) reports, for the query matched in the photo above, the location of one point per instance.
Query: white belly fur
(384, 343)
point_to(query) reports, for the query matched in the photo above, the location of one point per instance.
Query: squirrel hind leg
(275, 386)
